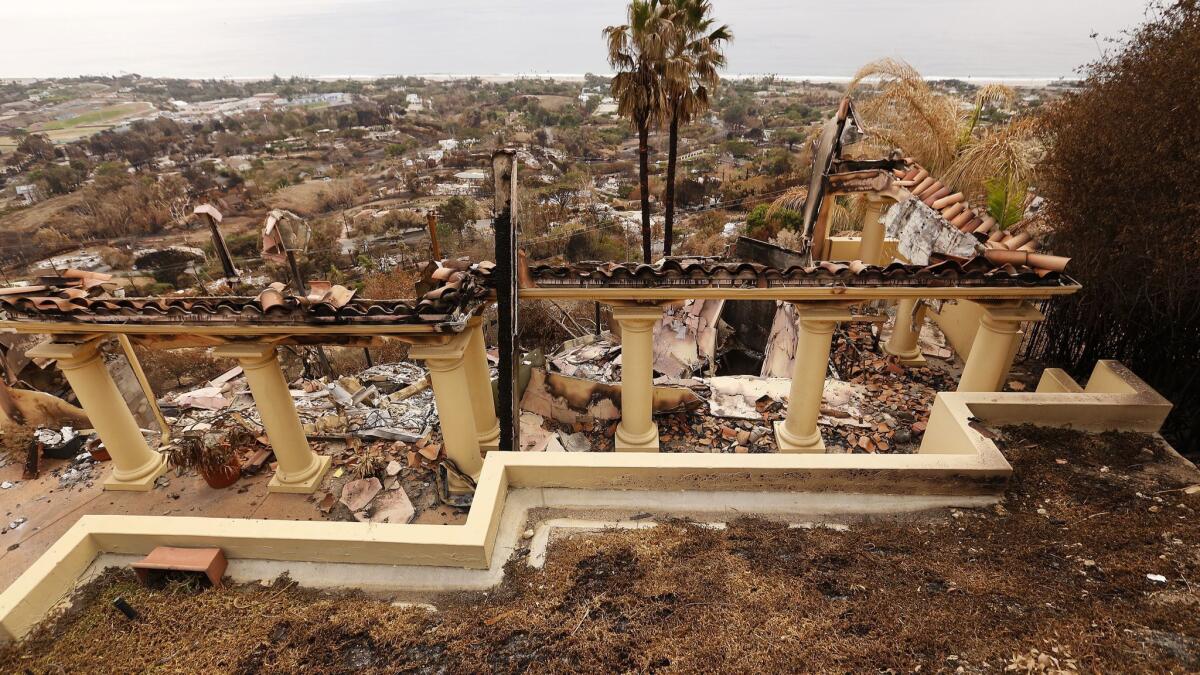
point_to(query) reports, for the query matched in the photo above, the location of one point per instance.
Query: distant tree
(777, 163)
(564, 192)
(457, 211)
(790, 137)
(59, 179)
(740, 149)
(764, 222)
(38, 147)
(735, 114)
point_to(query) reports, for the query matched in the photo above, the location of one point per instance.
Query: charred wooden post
(504, 173)
(431, 221)
(212, 216)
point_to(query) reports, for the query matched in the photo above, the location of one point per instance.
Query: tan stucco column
(798, 432)
(135, 465)
(455, 398)
(870, 247)
(637, 431)
(995, 345)
(487, 425)
(300, 470)
(902, 343)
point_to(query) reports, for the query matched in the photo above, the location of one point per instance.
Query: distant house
(472, 175)
(607, 107)
(28, 194)
(415, 104)
(331, 99)
(452, 189)
(448, 144)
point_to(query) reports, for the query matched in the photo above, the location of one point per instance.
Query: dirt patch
(555, 103)
(1058, 574)
(310, 198)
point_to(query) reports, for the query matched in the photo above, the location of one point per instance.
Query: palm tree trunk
(669, 192)
(644, 180)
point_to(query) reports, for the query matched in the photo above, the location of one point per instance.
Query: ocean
(1019, 40)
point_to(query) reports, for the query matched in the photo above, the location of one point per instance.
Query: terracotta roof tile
(979, 271)
(960, 215)
(445, 306)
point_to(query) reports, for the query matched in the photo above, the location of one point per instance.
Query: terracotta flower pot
(224, 475)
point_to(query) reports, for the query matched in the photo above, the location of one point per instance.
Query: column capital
(67, 354)
(826, 312)
(248, 354)
(1021, 311)
(442, 356)
(635, 314)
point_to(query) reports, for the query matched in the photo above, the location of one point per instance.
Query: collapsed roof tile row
(960, 215)
(1008, 246)
(973, 272)
(444, 307)
(1012, 246)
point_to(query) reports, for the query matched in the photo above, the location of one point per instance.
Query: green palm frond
(1006, 201)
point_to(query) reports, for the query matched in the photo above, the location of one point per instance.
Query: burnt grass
(1058, 571)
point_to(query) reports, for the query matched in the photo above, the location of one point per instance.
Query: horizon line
(836, 79)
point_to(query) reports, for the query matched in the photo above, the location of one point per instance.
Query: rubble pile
(380, 427)
(898, 398)
(592, 357)
(382, 481)
(390, 402)
(81, 472)
(871, 403)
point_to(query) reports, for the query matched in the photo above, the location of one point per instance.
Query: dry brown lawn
(1056, 578)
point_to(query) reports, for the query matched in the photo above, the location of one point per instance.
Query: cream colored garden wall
(956, 461)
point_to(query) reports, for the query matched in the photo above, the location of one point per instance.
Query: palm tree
(636, 49)
(689, 74)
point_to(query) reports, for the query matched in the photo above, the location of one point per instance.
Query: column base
(489, 441)
(143, 483)
(915, 358)
(625, 442)
(308, 485)
(457, 486)
(788, 443)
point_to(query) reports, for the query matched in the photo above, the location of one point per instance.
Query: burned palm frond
(906, 110)
(792, 200)
(1008, 152)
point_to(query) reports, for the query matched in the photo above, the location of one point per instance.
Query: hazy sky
(243, 38)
